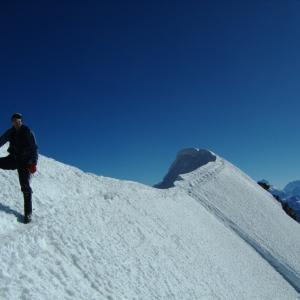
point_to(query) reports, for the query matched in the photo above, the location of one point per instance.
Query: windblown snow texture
(215, 235)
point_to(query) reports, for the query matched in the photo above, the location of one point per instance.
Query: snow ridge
(277, 260)
(94, 237)
(187, 160)
(282, 268)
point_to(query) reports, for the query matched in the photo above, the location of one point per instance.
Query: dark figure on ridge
(23, 157)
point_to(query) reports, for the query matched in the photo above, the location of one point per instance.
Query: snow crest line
(94, 237)
(282, 269)
(207, 176)
(287, 273)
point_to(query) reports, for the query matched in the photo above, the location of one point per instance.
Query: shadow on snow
(10, 211)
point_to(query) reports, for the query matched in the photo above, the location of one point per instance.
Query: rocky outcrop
(264, 185)
(285, 206)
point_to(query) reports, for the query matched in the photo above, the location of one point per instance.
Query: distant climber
(23, 157)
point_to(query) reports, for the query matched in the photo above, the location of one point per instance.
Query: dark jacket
(22, 144)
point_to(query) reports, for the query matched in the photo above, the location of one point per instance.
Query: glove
(32, 168)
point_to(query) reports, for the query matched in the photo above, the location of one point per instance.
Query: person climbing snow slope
(23, 157)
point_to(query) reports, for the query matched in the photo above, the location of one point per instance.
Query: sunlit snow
(216, 235)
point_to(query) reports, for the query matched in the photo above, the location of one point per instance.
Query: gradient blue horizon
(118, 88)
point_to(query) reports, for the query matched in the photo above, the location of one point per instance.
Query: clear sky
(117, 88)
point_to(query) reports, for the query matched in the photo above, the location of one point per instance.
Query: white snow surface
(216, 235)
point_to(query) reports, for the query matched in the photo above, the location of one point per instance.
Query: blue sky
(118, 88)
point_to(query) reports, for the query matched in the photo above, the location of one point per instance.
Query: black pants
(9, 163)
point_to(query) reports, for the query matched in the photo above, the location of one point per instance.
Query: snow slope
(215, 235)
